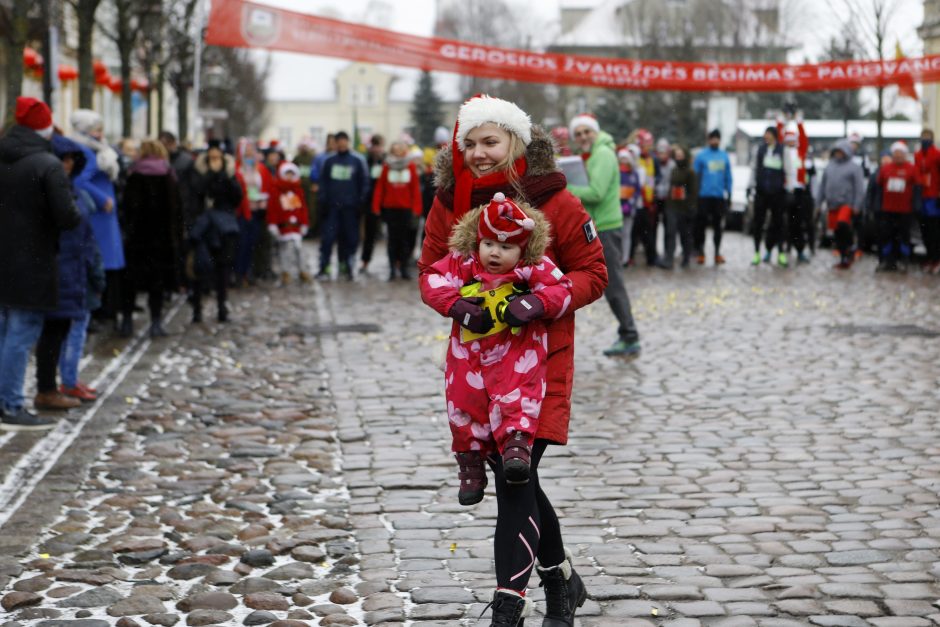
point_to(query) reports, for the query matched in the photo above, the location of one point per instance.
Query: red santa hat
(288, 168)
(475, 112)
(899, 146)
(34, 114)
(503, 221)
(584, 119)
(483, 109)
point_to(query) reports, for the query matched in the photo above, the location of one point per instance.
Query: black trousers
(800, 219)
(775, 205)
(223, 260)
(930, 231)
(678, 223)
(711, 213)
(398, 222)
(894, 230)
(644, 232)
(527, 527)
(155, 292)
(112, 298)
(48, 349)
(370, 232)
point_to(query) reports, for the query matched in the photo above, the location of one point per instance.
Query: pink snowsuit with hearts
(495, 385)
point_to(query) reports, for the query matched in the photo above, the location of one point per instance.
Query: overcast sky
(296, 76)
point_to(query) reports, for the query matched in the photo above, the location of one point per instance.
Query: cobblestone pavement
(770, 460)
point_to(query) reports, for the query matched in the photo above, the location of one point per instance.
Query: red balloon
(99, 68)
(30, 57)
(103, 79)
(67, 73)
(115, 84)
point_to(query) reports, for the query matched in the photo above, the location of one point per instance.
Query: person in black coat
(214, 236)
(78, 256)
(35, 205)
(153, 234)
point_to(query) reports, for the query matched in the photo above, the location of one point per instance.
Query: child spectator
(288, 221)
(631, 197)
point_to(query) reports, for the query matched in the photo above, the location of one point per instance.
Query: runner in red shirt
(899, 184)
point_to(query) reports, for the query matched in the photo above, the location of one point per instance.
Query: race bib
(376, 171)
(896, 185)
(341, 172)
(772, 161)
(677, 193)
(716, 166)
(399, 176)
(627, 191)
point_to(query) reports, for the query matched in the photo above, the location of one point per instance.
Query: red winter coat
(897, 184)
(245, 209)
(928, 166)
(574, 248)
(397, 189)
(287, 207)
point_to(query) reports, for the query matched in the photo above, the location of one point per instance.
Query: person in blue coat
(344, 186)
(78, 252)
(713, 171)
(97, 180)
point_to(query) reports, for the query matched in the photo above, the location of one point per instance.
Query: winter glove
(468, 313)
(524, 309)
(273, 230)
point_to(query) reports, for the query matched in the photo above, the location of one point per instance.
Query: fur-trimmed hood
(539, 154)
(201, 165)
(463, 238)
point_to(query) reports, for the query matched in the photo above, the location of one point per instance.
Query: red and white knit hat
(584, 119)
(503, 221)
(288, 168)
(482, 109)
(34, 114)
(899, 146)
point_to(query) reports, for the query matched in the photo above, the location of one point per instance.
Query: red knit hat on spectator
(503, 221)
(34, 114)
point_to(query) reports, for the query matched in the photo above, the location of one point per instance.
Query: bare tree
(180, 38)
(868, 20)
(14, 22)
(233, 81)
(85, 16)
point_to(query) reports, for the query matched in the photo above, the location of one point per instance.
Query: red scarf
(537, 190)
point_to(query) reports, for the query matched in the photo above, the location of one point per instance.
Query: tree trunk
(86, 73)
(13, 51)
(182, 112)
(45, 10)
(879, 118)
(159, 86)
(126, 129)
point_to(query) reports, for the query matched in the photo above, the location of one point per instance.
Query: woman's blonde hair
(153, 148)
(516, 150)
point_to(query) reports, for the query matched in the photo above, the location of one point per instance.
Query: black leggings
(526, 526)
(48, 348)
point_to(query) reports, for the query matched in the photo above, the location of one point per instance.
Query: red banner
(242, 24)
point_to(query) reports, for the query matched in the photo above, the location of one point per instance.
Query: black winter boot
(472, 476)
(509, 609)
(564, 593)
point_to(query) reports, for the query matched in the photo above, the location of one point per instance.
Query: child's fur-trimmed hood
(463, 238)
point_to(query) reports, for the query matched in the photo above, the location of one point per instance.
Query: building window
(370, 95)
(318, 137)
(355, 94)
(284, 137)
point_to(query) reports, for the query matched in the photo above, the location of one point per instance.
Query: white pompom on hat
(441, 135)
(288, 168)
(899, 146)
(584, 119)
(482, 109)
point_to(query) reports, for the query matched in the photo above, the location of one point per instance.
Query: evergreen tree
(426, 110)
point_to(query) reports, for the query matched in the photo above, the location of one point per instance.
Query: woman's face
(215, 159)
(485, 147)
(678, 154)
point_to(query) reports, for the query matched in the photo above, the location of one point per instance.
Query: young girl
(497, 149)
(631, 196)
(495, 370)
(288, 220)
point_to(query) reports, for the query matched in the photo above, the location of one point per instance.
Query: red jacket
(581, 260)
(897, 187)
(928, 167)
(397, 189)
(287, 207)
(796, 179)
(245, 208)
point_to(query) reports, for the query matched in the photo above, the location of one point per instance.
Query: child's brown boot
(517, 456)
(472, 476)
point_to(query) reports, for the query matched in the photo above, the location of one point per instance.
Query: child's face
(499, 257)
